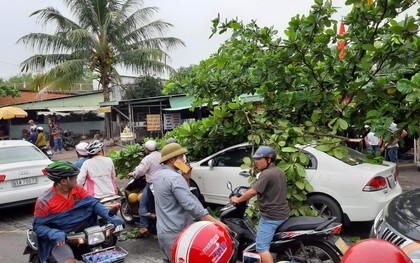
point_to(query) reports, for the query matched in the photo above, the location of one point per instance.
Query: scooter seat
(302, 223)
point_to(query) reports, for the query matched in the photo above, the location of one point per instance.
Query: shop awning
(47, 113)
(75, 109)
(179, 103)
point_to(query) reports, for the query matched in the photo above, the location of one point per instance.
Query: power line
(5, 62)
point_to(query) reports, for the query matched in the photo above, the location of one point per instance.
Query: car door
(220, 169)
(311, 167)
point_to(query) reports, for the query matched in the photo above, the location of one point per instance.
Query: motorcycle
(69, 140)
(301, 239)
(46, 150)
(113, 203)
(130, 202)
(87, 244)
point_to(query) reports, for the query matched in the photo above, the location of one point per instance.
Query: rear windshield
(354, 157)
(20, 154)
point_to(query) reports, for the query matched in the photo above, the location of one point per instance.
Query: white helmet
(81, 148)
(40, 128)
(94, 147)
(151, 145)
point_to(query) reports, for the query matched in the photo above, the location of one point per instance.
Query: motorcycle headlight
(95, 235)
(242, 191)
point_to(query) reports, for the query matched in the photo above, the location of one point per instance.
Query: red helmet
(204, 242)
(375, 250)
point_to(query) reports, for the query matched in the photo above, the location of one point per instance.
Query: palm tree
(104, 34)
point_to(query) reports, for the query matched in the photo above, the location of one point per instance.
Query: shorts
(62, 253)
(266, 230)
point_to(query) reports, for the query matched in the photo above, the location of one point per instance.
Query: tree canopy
(143, 87)
(308, 94)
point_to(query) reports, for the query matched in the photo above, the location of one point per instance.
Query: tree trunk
(105, 86)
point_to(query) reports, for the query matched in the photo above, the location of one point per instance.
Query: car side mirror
(211, 163)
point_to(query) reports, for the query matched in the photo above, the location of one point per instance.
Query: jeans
(373, 149)
(58, 144)
(391, 154)
(143, 209)
(265, 234)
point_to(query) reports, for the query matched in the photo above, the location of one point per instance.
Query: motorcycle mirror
(229, 186)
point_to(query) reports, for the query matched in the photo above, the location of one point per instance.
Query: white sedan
(21, 173)
(350, 192)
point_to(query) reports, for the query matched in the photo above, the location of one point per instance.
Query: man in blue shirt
(176, 206)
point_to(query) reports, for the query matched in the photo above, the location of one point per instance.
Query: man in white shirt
(147, 167)
(372, 142)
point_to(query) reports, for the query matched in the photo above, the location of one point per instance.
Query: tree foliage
(143, 87)
(310, 96)
(104, 34)
(6, 91)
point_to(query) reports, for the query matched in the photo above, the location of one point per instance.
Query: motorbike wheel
(325, 207)
(125, 211)
(33, 258)
(309, 252)
(66, 145)
(75, 142)
(110, 241)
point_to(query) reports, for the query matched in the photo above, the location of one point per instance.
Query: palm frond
(66, 74)
(145, 61)
(46, 43)
(40, 61)
(167, 43)
(81, 38)
(85, 12)
(51, 14)
(147, 31)
(138, 18)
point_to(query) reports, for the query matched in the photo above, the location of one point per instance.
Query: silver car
(21, 173)
(399, 223)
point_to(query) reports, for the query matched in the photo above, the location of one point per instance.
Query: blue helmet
(265, 152)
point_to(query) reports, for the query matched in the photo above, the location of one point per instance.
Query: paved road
(15, 221)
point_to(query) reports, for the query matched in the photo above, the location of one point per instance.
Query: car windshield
(354, 157)
(20, 154)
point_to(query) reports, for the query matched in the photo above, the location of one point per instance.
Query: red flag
(341, 41)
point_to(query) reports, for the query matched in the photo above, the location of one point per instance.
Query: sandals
(142, 234)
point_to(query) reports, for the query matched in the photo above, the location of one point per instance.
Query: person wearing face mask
(270, 189)
(176, 206)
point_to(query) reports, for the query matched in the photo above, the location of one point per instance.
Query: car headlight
(95, 235)
(413, 251)
(376, 228)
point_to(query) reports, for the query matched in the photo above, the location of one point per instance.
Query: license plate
(341, 245)
(25, 181)
(391, 181)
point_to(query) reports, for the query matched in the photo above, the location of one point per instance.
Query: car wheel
(194, 189)
(325, 206)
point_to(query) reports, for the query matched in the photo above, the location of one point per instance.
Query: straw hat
(171, 150)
